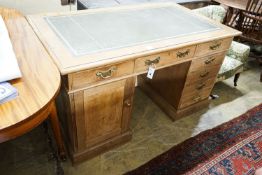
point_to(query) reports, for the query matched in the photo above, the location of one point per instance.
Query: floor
(153, 133)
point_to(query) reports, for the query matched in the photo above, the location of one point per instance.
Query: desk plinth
(96, 99)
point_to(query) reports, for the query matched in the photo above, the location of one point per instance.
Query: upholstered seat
(237, 56)
(230, 67)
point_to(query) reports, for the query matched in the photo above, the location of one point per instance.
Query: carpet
(233, 148)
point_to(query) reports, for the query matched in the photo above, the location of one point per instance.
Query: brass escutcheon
(128, 103)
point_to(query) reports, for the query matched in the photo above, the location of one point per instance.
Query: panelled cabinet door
(103, 112)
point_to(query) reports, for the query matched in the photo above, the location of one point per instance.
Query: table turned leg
(57, 131)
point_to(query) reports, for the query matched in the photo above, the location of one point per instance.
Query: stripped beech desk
(101, 52)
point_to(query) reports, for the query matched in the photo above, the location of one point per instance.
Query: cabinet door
(103, 112)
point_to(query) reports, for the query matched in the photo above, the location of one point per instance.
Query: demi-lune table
(37, 88)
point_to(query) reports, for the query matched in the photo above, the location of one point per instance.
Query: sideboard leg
(57, 131)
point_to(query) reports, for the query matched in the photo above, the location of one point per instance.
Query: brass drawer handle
(107, 73)
(197, 98)
(200, 86)
(151, 62)
(182, 54)
(210, 60)
(215, 46)
(202, 75)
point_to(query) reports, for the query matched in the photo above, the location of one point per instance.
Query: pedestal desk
(101, 52)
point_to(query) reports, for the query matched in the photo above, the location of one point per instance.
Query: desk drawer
(193, 98)
(199, 86)
(202, 74)
(164, 58)
(213, 46)
(184, 53)
(202, 63)
(85, 78)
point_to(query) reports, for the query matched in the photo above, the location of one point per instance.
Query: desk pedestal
(167, 88)
(97, 118)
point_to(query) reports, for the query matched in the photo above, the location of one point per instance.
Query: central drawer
(164, 58)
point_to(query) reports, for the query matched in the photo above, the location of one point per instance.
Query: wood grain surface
(40, 80)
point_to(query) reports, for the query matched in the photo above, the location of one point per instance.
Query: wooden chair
(250, 24)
